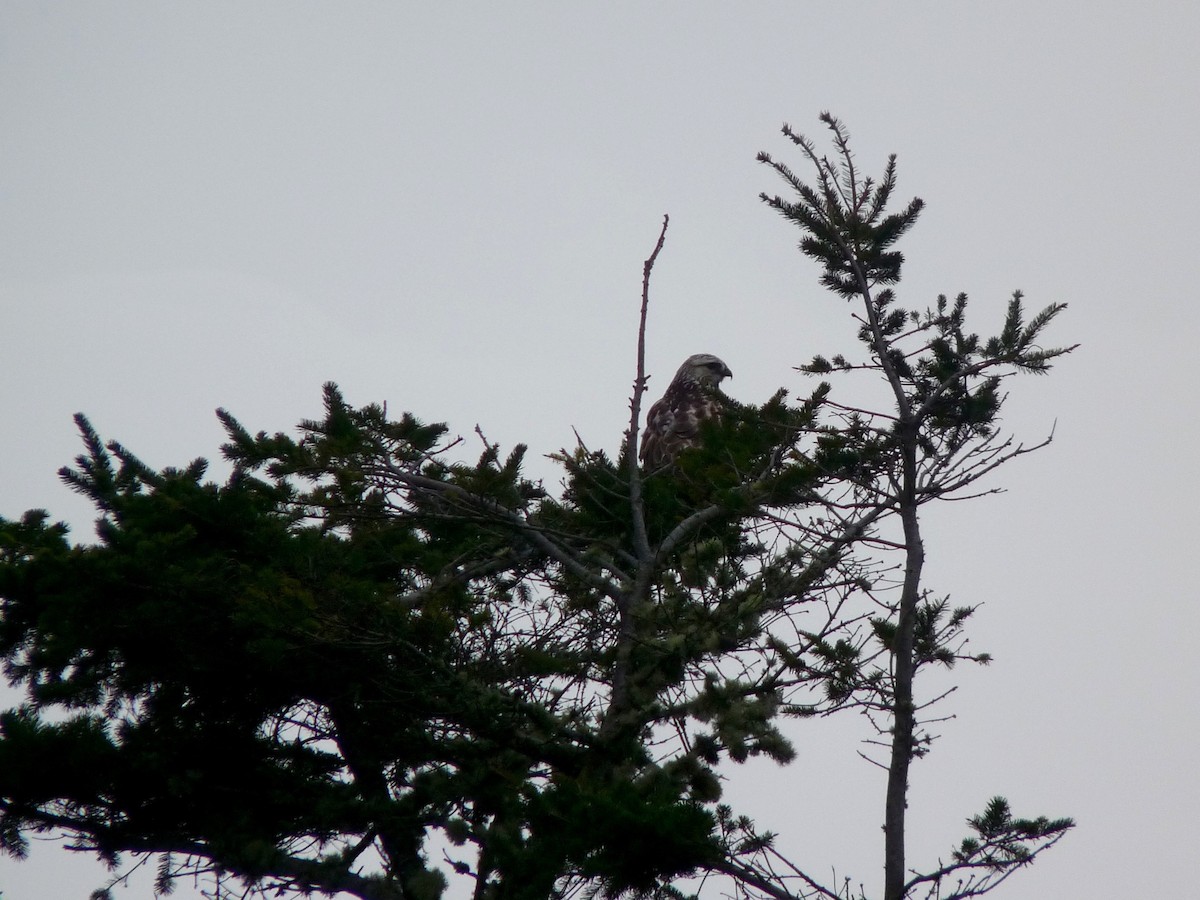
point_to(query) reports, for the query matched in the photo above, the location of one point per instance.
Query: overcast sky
(446, 207)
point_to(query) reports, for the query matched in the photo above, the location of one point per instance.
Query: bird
(692, 397)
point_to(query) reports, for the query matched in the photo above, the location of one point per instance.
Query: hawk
(673, 423)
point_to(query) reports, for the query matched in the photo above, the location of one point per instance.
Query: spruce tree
(361, 646)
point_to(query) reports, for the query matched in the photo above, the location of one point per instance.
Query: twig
(641, 541)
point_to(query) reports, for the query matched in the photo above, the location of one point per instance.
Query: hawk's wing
(673, 423)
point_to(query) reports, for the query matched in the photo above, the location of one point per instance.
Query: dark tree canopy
(363, 665)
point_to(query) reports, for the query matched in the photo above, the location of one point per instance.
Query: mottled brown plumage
(691, 398)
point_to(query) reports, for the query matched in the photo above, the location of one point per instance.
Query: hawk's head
(703, 368)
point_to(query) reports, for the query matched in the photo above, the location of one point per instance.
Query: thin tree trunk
(903, 711)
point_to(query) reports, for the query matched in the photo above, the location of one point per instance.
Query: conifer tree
(362, 664)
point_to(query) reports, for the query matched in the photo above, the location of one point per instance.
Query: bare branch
(640, 541)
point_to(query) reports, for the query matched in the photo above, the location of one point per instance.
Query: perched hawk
(673, 423)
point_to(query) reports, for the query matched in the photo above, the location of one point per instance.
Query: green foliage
(843, 218)
(355, 636)
(946, 378)
(1002, 841)
(359, 644)
(937, 634)
(934, 440)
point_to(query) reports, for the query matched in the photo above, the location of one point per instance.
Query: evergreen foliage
(360, 648)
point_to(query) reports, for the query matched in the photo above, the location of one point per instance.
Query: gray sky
(446, 207)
